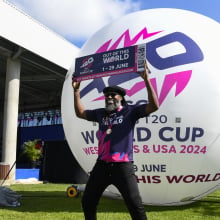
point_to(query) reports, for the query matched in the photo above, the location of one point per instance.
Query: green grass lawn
(49, 202)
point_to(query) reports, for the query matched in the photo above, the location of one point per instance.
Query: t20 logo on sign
(175, 148)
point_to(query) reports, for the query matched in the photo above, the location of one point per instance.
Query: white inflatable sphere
(177, 148)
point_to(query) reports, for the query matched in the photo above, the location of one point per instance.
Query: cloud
(76, 19)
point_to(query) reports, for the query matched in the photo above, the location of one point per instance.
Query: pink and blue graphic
(180, 79)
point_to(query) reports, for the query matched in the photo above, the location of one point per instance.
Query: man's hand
(145, 73)
(75, 84)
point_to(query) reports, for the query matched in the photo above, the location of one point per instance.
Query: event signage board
(114, 62)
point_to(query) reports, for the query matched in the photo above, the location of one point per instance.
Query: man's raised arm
(78, 106)
(153, 103)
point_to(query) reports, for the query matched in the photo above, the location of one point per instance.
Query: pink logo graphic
(87, 62)
(127, 40)
(180, 79)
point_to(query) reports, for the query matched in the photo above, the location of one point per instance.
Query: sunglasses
(112, 94)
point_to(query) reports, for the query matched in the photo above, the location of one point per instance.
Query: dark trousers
(121, 175)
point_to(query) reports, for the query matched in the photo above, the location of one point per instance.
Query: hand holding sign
(145, 73)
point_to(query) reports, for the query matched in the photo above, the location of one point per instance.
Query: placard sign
(119, 61)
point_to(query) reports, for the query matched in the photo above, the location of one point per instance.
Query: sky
(78, 20)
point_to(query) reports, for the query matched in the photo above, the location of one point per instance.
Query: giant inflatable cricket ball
(177, 148)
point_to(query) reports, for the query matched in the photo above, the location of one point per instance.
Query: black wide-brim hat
(114, 89)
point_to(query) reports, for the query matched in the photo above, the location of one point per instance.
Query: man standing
(115, 141)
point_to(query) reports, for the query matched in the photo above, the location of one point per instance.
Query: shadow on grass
(57, 201)
(210, 206)
(201, 208)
